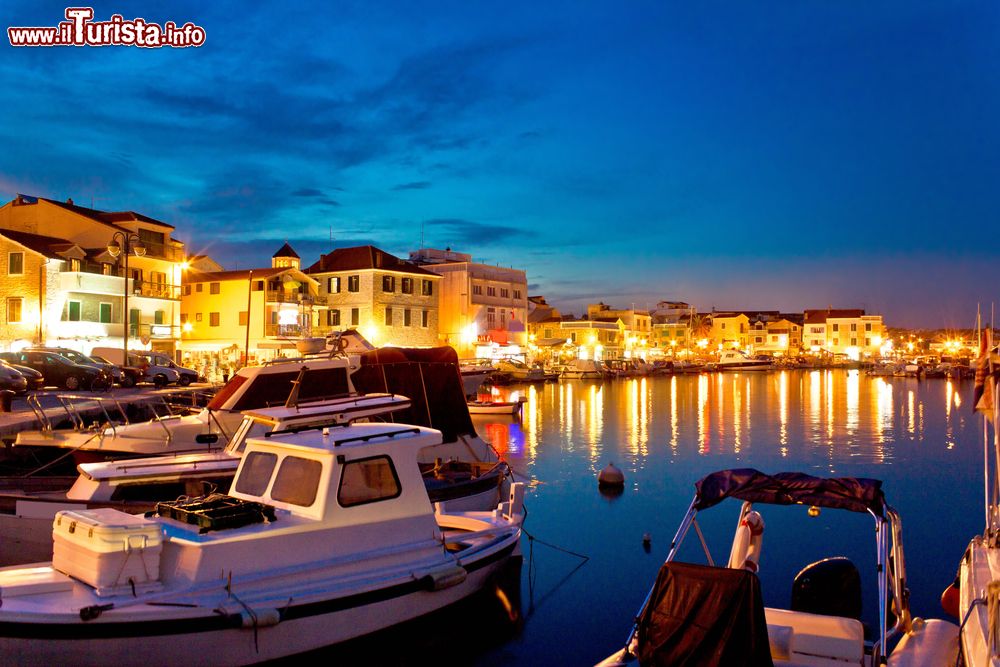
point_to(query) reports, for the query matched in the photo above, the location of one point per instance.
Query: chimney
(70, 201)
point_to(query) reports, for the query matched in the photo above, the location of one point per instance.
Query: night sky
(779, 155)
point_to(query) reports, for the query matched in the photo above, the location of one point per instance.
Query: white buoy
(611, 477)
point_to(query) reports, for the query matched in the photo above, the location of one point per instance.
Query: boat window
(367, 481)
(256, 473)
(297, 481)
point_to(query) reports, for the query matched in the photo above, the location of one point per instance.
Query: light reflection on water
(919, 437)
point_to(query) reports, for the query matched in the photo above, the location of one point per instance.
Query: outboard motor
(831, 587)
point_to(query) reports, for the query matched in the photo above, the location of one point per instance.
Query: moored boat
(325, 535)
(978, 593)
(494, 407)
(583, 369)
(735, 360)
(715, 615)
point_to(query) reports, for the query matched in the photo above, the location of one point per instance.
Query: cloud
(458, 232)
(415, 185)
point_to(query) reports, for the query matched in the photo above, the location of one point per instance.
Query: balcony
(156, 290)
(90, 283)
(281, 296)
(286, 330)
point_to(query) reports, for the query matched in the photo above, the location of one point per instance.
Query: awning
(857, 494)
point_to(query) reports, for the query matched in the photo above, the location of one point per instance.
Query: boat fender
(611, 477)
(950, 598)
(747, 542)
(445, 578)
(260, 618)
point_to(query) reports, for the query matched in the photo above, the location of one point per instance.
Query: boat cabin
(327, 491)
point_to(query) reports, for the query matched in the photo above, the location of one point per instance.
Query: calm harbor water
(920, 437)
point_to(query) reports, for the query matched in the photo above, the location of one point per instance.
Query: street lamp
(130, 242)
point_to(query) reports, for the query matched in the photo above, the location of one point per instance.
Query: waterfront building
(484, 308)
(595, 339)
(671, 334)
(61, 286)
(389, 300)
(261, 312)
(545, 341)
(779, 338)
(636, 328)
(729, 330)
(847, 332)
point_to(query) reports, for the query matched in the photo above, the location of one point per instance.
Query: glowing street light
(130, 242)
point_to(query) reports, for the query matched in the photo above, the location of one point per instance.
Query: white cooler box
(115, 552)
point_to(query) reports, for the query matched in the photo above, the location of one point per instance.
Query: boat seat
(800, 638)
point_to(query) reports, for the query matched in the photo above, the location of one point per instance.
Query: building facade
(847, 332)
(484, 308)
(63, 285)
(392, 302)
(231, 317)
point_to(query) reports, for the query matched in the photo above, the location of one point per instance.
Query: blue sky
(784, 155)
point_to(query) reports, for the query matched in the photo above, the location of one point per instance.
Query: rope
(532, 573)
(251, 612)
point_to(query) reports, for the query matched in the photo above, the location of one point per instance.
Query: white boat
(388, 370)
(978, 590)
(454, 477)
(736, 360)
(823, 625)
(583, 369)
(518, 371)
(325, 535)
(494, 407)
(474, 373)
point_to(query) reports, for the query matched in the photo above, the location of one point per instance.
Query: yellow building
(595, 339)
(63, 286)
(729, 331)
(225, 314)
(389, 300)
(636, 328)
(847, 332)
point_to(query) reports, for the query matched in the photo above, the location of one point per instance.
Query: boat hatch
(216, 512)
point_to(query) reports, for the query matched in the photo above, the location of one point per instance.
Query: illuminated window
(333, 285)
(428, 288)
(14, 309)
(406, 285)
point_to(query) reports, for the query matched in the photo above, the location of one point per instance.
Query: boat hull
(261, 631)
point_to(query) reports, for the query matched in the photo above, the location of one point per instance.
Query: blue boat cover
(857, 494)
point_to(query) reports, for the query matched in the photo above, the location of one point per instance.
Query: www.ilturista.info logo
(81, 30)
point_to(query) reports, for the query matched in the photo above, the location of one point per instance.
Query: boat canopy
(430, 377)
(856, 494)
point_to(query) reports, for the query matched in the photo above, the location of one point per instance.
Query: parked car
(187, 375)
(130, 375)
(161, 376)
(80, 358)
(59, 371)
(34, 379)
(11, 380)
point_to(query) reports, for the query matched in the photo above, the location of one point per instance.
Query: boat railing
(74, 406)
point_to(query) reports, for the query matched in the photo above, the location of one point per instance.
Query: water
(920, 437)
